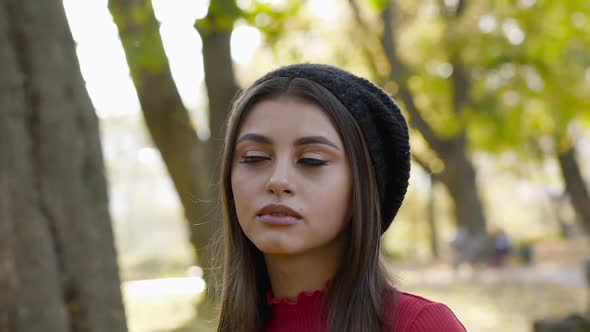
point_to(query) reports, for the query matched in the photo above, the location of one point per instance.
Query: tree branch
(366, 52)
(399, 73)
(457, 10)
(461, 84)
(422, 164)
(460, 78)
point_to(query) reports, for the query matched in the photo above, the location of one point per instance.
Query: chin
(275, 247)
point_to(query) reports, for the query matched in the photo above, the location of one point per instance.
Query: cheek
(335, 201)
(239, 191)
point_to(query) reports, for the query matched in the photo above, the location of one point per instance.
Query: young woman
(315, 168)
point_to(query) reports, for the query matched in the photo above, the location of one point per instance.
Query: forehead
(288, 117)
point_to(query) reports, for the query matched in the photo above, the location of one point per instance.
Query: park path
(568, 276)
(557, 262)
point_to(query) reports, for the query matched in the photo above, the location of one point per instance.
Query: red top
(410, 313)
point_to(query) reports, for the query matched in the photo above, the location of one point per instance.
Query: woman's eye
(252, 159)
(305, 161)
(313, 161)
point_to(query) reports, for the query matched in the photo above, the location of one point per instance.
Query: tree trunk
(215, 30)
(185, 156)
(220, 82)
(460, 180)
(58, 269)
(575, 186)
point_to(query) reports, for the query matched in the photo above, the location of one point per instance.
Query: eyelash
(307, 161)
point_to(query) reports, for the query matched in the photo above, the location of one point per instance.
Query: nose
(280, 182)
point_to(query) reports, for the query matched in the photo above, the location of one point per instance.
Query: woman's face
(288, 153)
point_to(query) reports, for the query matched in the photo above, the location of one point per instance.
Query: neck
(292, 274)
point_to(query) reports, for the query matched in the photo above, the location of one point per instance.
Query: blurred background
(496, 222)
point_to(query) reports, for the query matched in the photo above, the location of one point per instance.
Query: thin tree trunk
(58, 269)
(575, 186)
(556, 203)
(431, 217)
(185, 156)
(586, 268)
(431, 208)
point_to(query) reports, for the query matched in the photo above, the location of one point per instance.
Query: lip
(278, 214)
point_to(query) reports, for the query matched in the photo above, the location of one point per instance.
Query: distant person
(315, 167)
(458, 245)
(502, 248)
(526, 253)
(467, 248)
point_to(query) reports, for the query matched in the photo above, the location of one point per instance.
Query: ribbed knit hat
(384, 127)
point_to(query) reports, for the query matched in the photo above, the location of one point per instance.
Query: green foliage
(220, 17)
(527, 62)
(378, 5)
(534, 87)
(292, 32)
(140, 34)
(274, 22)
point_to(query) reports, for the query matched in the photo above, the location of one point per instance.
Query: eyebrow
(300, 141)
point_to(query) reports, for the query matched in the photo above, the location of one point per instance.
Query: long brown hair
(356, 293)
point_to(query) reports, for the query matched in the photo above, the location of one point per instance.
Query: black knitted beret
(383, 125)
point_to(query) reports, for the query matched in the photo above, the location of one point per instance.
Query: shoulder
(412, 313)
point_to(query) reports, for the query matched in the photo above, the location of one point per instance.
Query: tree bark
(215, 30)
(575, 186)
(187, 158)
(220, 82)
(460, 180)
(58, 269)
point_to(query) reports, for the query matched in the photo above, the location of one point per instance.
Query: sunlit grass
(508, 307)
(158, 313)
(161, 304)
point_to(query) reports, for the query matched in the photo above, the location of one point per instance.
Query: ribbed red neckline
(304, 296)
